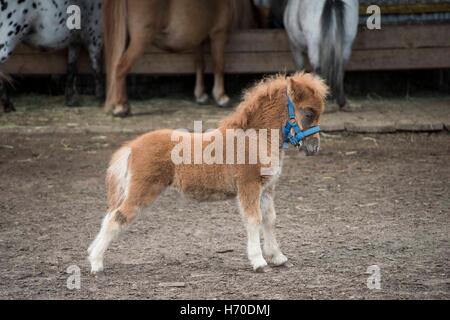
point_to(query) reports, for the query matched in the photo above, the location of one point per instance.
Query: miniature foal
(143, 168)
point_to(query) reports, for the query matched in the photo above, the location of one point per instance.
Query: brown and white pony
(173, 25)
(143, 168)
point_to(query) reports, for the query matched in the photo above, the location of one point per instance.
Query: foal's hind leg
(249, 201)
(271, 248)
(141, 194)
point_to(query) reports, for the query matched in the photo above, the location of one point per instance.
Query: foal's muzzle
(311, 146)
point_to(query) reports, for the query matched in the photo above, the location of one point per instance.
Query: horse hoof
(223, 102)
(9, 108)
(97, 273)
(279, 261)
(203, 99)
(121, 111)
(263, 269)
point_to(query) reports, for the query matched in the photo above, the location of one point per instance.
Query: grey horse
(325, 31)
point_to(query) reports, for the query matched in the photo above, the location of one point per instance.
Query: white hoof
(96, 265)
(223, 101)
(279, 260)
(260, 265)
(203, 99)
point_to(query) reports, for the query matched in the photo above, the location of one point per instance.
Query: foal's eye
(309, 115)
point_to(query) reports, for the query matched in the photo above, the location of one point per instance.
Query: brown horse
(173, 25)
(143, 168)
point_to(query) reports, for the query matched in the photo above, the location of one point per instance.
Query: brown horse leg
(218, 42)
(141, 32)
(200, 96)
(134, 52)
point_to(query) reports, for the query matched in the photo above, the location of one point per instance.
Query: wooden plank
(261, 51)
(400, 59)
(404, 36)
(410, 8)
(389, 37)
(256, 62)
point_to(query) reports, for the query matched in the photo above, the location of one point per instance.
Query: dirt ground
(365, 200)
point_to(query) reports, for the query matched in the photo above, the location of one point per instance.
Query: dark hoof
(9, 108)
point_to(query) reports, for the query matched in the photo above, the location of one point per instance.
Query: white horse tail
(118, 177)
(332, 47)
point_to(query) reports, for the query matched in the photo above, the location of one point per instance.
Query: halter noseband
(297, 138)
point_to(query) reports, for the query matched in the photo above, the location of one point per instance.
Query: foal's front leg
(271, 248)
(249, 201)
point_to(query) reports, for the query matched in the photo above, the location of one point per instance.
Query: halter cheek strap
(297, 138)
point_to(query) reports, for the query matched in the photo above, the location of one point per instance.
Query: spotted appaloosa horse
(42, 24)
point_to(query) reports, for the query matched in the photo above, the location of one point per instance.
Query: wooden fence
(266, 51)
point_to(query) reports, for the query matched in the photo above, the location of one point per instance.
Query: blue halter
(297, 139)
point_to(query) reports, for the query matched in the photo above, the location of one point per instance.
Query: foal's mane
(267, 101)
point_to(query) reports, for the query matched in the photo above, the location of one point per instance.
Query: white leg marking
(254, 247)
(108, 231)
(271, 247)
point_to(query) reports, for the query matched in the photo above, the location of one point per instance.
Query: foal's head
(308, 93)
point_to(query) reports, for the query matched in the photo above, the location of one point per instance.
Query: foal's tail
(115, 32)
(118, 177)
(332, 47)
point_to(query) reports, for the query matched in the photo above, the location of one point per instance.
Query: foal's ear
(289, 84)
(299, 90)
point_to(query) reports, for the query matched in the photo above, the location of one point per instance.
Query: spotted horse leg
(72, 69)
